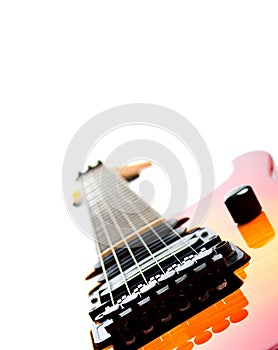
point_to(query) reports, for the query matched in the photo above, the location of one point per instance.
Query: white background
(62, 62)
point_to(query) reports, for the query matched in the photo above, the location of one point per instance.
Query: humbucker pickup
(185, 273)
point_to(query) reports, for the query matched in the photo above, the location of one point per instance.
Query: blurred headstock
(129, 172)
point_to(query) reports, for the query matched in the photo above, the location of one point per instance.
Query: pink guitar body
(248, 318)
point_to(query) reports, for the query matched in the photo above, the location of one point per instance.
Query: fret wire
(124, 186)
(93, 202)
(119, 220)
(142, 208)
(129, 196)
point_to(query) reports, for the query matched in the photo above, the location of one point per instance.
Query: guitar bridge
(198, 272)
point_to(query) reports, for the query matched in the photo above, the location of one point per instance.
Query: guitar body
(247, 318)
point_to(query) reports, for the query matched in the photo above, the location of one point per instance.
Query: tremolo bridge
(198, 272)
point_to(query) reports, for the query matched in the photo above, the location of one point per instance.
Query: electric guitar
(162, 284)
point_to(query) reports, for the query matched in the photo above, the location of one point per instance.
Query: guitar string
(151, 227)
(168, 225)
(114, 254)
(156, 234)
(135, 230)
(92, 198)
(102, 221)
(144, 243)
(173, 230)
(159, 237)
(106, 276)
(146, 223)
(125, 241)
(141, 239)
(101, 259)
(179, 236)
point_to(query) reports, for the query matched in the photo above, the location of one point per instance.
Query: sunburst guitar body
(168, 297)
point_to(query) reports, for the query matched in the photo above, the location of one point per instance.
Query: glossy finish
(248, 318)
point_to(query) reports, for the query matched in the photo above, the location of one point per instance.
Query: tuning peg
(79, 174)
(90, 167)
(129, 172)
(77, 198)
(132, 172)
(131, 178)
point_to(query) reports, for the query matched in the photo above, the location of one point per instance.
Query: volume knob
(243, 204)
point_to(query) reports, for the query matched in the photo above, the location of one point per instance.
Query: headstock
(128, 172)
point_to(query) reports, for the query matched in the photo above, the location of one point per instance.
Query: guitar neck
(116, 212)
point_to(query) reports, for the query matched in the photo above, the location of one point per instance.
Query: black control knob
(243, 204)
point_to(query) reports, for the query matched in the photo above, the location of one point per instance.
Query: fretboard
(116, 212)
